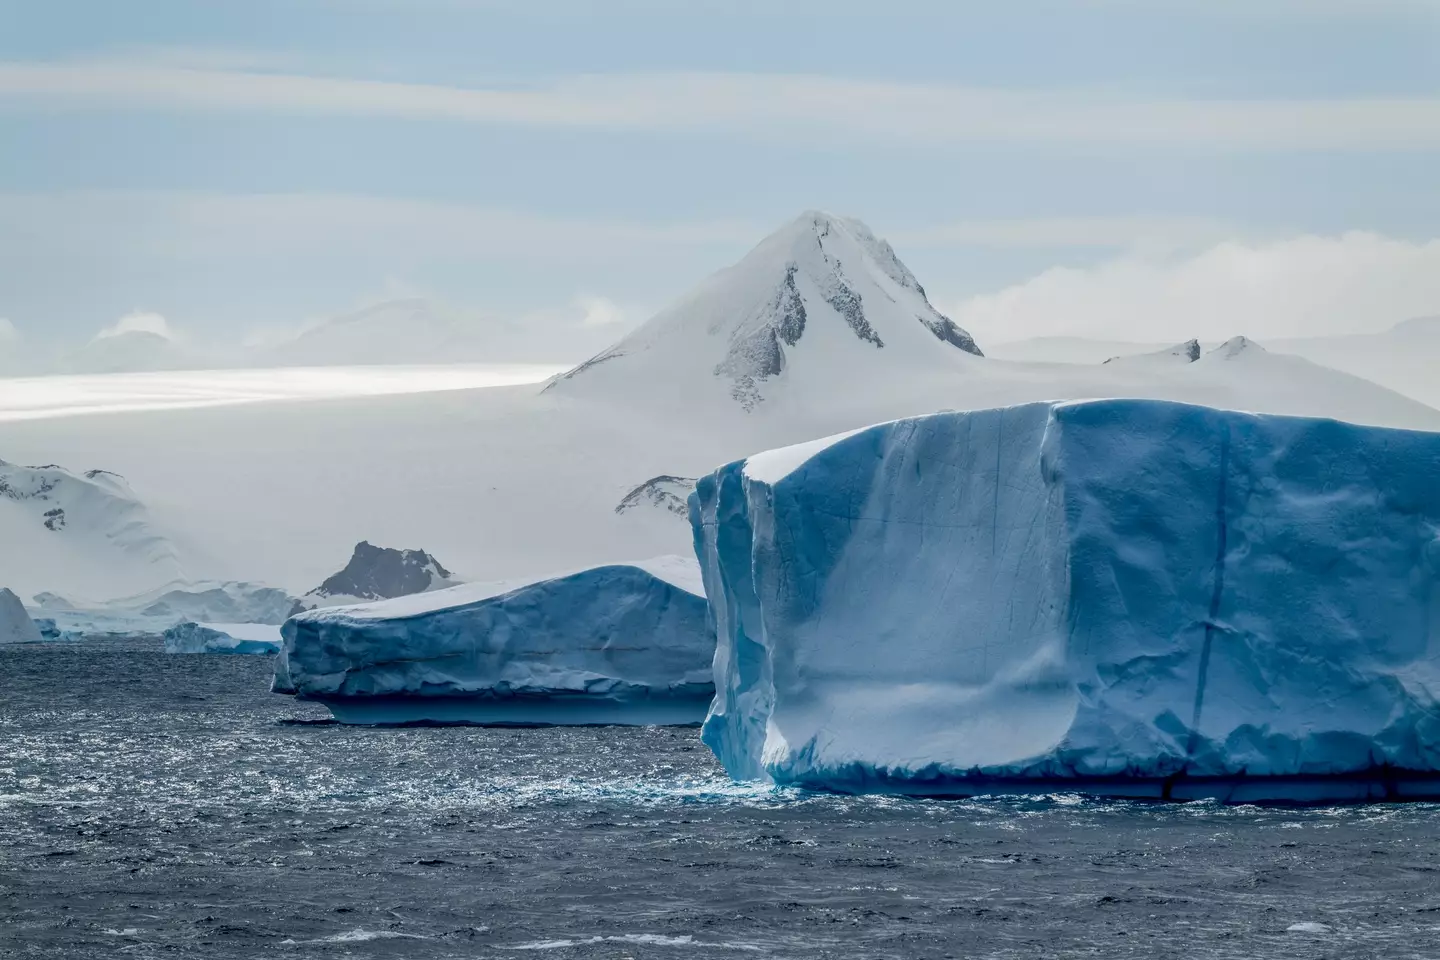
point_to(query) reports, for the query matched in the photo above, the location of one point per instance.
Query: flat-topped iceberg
(242, 638)
(626, 643)
(1124, 597)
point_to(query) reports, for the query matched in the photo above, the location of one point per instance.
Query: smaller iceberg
(50, 632)
(244, 638)
(624, 643)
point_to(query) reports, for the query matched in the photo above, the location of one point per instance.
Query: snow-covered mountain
(819, 302)
(521, 482)
(1401, 358)
(85, 532)
(1187, 352)
(378, 573)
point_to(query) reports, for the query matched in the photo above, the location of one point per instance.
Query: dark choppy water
(161, 806)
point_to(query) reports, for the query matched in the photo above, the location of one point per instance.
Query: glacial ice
(243, 638)
(1124, 597)
(624, 643)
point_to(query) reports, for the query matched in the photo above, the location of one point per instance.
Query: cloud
(8, 331)
(138, 321)
(1100, 232)
(598, 311)
(1303, 286)
(783, 106)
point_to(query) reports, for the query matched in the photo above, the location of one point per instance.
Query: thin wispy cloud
(756, 104)
(1092, 232)
(185, 225)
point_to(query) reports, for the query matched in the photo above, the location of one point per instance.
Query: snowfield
(621, 643)
(1128, 597)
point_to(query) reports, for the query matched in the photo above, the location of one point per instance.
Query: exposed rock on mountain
(377, 573)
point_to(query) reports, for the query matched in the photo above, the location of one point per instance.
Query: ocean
(169, 806)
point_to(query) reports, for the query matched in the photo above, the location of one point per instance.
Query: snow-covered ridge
(1132, 597)
(659, 493)
(85, 529)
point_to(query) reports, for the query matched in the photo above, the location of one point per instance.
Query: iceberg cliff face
(1129, 597)
(624, 643)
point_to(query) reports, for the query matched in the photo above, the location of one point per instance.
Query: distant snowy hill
(1187, 352)
(521, 482)
(132, 352)
(378, 573)
(85, 532)
(421, 331)
(1402, 358)
(398, 331)
(819, 301)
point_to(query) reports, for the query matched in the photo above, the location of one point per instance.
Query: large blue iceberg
(1122, 597)
(625, 643)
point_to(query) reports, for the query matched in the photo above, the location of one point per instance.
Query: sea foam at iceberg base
(1121, 597)
(625, 643)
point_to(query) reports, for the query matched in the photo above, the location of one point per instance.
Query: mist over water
(167, 805)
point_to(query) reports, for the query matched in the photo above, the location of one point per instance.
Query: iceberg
(1121, 597)
(625, 643)
(51, 632)
(15, 624)
(243, 638)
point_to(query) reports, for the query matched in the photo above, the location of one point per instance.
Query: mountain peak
(1235, 347)
(377, 573)
(822, 292)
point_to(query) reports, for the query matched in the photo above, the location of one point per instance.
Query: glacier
(623, 643)
(1121, 597)
(241, 638)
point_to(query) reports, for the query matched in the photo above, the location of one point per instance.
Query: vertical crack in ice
(1211, 626)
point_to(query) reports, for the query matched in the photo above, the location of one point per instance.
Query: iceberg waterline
(1137, 597)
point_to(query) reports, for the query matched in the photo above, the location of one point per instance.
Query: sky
(227, 171)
